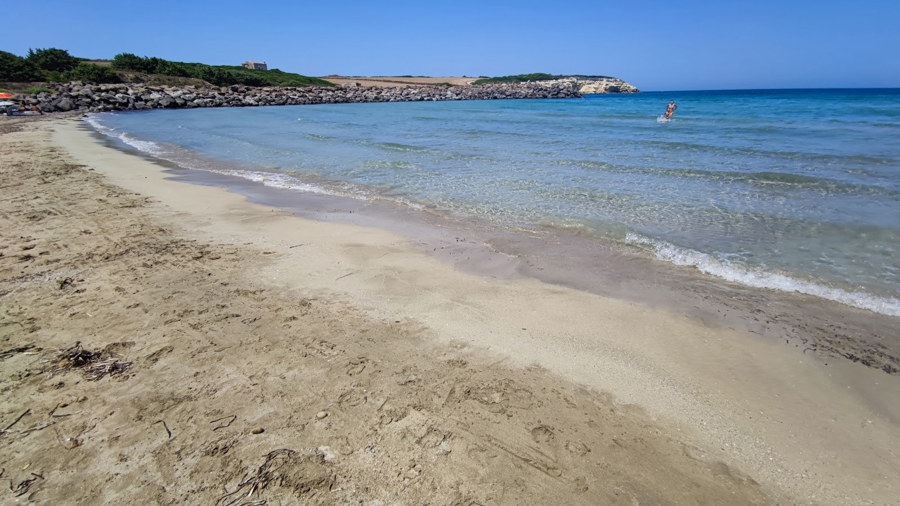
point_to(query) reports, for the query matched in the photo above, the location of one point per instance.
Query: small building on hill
(255, 65)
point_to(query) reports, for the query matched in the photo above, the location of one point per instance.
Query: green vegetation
(91, 73)
(51, 65)
(57, 65)
(17, 69)
(219, 75)
(34, 90)
(52, 59)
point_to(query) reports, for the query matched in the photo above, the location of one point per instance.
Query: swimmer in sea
(670, 110)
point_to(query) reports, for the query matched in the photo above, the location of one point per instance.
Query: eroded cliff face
(606, 85)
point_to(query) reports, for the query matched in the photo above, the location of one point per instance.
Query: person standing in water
(670, 109)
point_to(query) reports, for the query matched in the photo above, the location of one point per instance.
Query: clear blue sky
(655, 45)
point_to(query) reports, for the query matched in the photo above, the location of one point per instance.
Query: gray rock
(64, 104)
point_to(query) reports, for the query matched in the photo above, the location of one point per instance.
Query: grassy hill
(57, 65)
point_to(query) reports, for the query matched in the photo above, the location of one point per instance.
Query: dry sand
(253, 357)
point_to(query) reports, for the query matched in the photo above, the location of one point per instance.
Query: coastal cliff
(605, 85)
(77, 96)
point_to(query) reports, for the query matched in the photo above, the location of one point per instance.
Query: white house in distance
(255, 65)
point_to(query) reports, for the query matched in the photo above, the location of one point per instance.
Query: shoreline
(700, 397)
(828, 329)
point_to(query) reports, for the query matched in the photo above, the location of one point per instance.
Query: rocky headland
(77, 96)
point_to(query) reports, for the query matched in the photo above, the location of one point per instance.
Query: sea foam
(756, 278)
(147, 147)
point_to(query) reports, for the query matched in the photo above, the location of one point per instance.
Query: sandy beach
(172, 343)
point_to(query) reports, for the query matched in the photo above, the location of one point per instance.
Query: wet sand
(275, 357)
(823, 329)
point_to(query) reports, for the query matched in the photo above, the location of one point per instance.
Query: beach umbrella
(6, 95)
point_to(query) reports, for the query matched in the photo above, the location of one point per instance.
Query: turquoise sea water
(794, 190)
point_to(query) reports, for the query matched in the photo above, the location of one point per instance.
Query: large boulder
(64, 104)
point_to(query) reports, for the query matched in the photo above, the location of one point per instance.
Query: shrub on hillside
(128, 61)
(91, 73)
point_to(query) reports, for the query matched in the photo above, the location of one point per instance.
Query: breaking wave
(756, 278)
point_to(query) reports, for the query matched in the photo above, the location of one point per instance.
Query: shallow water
(791, 190)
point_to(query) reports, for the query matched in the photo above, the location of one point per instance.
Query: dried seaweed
(75, 357)
(111, 367)
(93, 364)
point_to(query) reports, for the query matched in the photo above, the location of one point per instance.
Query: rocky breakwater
(127, 97)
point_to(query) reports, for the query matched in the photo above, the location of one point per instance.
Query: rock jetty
(78, 96)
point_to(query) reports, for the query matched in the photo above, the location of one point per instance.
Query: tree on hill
(128, 61)
(52, 59)
(17, 69)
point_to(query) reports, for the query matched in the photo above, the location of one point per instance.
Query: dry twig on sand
(23, 487)
(12, 351)
(40, 426)
(6, 429)
(163, 422)
(278, 468)
(257, 481)
(230, 418)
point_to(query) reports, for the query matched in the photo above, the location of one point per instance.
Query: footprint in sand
(543, 434)
(500, 396)
(351, 398)
(356, 366)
